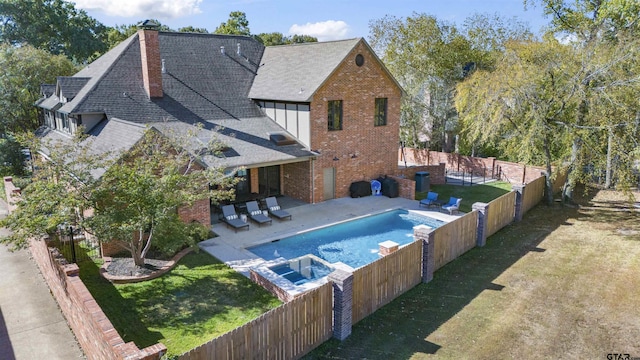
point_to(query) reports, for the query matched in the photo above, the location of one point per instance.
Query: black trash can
(390, 188)
(422, 181)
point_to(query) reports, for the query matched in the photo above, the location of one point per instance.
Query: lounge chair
(430, 200)
(231, 218)
(274, 209)
(256, 214)
(452, 206)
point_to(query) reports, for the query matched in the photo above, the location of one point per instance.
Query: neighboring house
(299, 120)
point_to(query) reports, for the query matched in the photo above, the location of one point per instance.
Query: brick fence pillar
(483, 209)
(342, 303)
(425, 234)
(519, 189)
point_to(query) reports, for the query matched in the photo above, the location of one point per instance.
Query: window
(335, 115)
(381, 112)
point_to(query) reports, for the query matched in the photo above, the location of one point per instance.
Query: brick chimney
(150, 56)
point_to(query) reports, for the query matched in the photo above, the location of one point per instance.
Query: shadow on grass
(197, 300)
(400, 329)
(120, 311)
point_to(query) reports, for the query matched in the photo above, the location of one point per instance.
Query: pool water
(302, 270)
(354, 243)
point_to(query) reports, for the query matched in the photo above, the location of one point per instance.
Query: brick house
(300, 120)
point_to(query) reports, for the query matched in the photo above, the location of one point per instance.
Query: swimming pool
(354, 243)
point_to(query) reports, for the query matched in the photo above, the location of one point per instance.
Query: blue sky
(325, 19)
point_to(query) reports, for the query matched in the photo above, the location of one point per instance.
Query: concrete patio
(230, 246)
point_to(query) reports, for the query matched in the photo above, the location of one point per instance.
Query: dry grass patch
(565, 282)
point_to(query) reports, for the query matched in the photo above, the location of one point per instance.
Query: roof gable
(295, 72)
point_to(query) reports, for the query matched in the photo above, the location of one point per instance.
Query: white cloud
(163, 9)
(324, 30)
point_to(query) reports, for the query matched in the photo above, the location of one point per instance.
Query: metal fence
(76, 251)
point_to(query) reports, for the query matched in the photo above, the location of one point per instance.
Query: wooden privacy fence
(533, 194)
(378, 283)
(286, 332)
(500, 212)
(454, 239)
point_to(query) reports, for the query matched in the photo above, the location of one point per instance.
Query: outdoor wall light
(335, 158)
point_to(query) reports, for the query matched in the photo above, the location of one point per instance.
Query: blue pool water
(302, 271)
(354, 243)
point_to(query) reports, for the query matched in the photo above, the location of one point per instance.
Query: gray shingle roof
(295, 72)
(71, 85)
(47, 89)
(200, 85)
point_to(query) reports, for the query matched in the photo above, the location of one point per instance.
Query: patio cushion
(274, 208)
(231, 217)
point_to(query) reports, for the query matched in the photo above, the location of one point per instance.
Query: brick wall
(296, 180)
(151, 64)
(200, 211)
(95, 333)
(363, 151)
(436, 172)
(406, 187)
(508, 171)
(11, 193)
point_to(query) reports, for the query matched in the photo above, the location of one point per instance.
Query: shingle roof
(201, 85)
(71, 85)
(47, 89)
(295, 72)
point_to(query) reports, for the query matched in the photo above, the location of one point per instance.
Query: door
(269, 180)
(329, 182)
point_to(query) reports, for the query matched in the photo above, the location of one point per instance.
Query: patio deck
(230, 246)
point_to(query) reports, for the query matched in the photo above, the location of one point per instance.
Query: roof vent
(239, 51)
(164, 69)
(222, 50)
(281, 139)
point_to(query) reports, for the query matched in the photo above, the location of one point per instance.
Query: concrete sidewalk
(31, 324)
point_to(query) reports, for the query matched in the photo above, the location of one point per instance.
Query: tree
(605, 35)
(237, 24)
(276, 38)
(12, 159)
(134, 201)
(119, 33)
(52, 25)
(519, 106)
(24, 69)
(192, 29)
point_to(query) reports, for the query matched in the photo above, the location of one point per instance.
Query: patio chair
(453, 205)
(256, 214)
(231, 218)
(274, 209)
(430, 200)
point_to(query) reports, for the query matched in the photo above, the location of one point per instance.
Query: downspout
(313, 180)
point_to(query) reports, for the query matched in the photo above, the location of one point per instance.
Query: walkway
(31, 324)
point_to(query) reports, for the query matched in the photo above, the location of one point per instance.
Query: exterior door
(269, 180)
(329, 181)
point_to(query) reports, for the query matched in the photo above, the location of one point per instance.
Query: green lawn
(198, 300)
(562, 283)
(469, 194)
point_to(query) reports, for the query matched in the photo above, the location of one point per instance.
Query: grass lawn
(198, 300)
(563, 283)
(469, 194)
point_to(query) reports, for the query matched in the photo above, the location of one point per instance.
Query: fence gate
(80, 249)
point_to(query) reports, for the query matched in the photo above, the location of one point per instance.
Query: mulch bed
(126, 267)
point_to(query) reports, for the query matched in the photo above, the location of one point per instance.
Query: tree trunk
(609, 171)
(548, 185)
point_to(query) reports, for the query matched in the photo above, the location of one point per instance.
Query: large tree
(52, 25)
(519, 105)
(605, 34)
(24, 69)
(131, 197)
(237, 24)
(429, 58)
